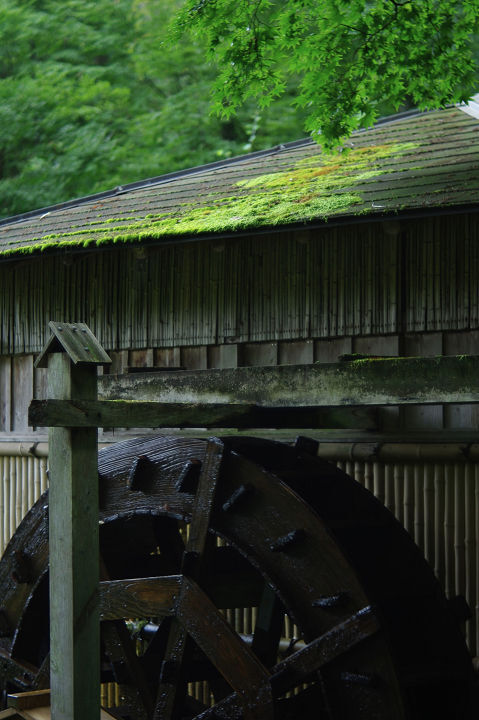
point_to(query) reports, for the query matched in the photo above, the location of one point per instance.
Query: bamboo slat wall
(368, 279)
(22, 481)
(438, 504)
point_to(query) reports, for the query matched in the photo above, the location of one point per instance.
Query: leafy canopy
(93, 95)
(350, 57)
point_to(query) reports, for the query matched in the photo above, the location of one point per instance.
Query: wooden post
(74, 552)
(73, 355)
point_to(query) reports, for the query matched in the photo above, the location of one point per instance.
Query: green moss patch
(313, 188)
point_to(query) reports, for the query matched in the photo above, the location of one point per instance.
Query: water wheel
(213, 530)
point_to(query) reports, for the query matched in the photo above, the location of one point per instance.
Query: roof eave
(316, 224)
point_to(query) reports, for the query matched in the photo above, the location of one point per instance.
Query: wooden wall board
(5, 393)
(22, 382)
(423, 344)
(40, 389)
(253, 354)
(381, 345)
(460, 417)
(167, 357)
(423, 417)
(223, 356)
(140, 358)
(461, 343)
(329, 351)
(296, 353)
(119, 362)
(194, 358)
(40, 383)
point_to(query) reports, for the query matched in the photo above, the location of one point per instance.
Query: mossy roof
(418, 162)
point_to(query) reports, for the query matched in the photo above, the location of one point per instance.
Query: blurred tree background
(100, 93)
(93, 94)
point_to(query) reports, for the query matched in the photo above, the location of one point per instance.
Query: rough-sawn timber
(378, 381)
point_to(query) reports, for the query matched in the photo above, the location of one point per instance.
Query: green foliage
(97, 93)
(353, 58)
(92, 95)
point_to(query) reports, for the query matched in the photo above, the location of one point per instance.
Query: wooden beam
(27, 700)
(383, 381)
(108, 413)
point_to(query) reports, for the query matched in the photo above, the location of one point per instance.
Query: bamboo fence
(438, 504)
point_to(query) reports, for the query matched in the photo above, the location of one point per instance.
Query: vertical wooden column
(74, 550)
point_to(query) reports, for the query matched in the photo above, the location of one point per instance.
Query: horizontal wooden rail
(383, 381)
(109, 413)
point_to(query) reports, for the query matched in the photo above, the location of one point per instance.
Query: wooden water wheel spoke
(194, 533)
(19, 672)
(116, 639)
(241, 669)
(299, 667)
(172, 678)
(269, 627)
(202, 508)
(120, 649)
(172, 685)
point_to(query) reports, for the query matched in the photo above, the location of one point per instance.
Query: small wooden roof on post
(75, 339)
(72, 355)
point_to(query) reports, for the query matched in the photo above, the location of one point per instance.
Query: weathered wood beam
(74, 544)
(383, 381)
(109, 413)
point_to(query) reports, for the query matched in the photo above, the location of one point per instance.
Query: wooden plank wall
(368, 279)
